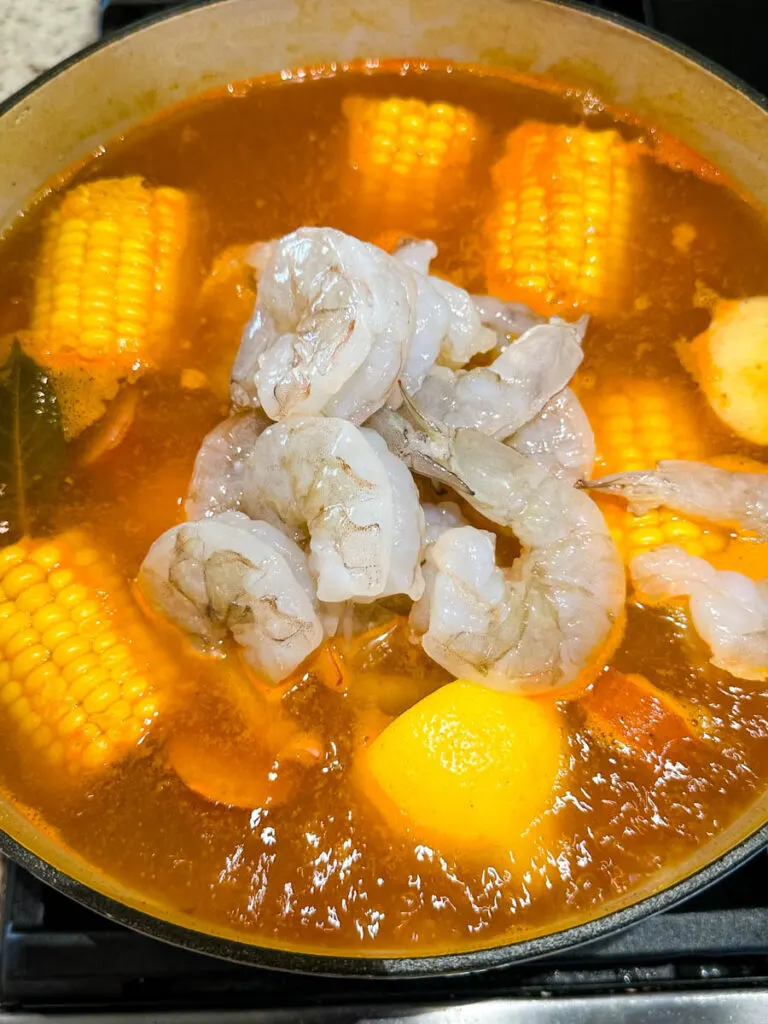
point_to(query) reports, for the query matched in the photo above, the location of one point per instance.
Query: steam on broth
(303, 799)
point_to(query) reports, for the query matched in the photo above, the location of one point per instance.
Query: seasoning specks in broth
(357, 588)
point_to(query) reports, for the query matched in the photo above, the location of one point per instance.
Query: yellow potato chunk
(467, 767)
(730, 362)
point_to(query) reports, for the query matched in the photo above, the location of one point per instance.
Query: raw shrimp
(729, 611)
(325, 479)
(331, 327)
(408, 518)
(227, 574)
(560, 438)
(416, 254)
(466, 337)
(441, 517)
(501, 398)
(516, 397)
(217, 479)
(507, 319)
(443, 309)
(338, 321)
(551, 618)
(695, 489)
(511, 319)
(438, 519)
(432, 316)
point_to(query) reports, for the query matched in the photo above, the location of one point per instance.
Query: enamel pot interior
(99, 94)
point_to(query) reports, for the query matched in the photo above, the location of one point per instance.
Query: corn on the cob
(78, 670)
(638, 423)
(409, 154)
(108, 285)
(561, 219)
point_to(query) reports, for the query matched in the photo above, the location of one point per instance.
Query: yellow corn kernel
(10, 557)
(12, 625)
(558, 232)
(83, 696)
(109, 279)
(638, 423)
(409, 156)
(36, 597)
(22, 577)
(60, 578)
(24, 663)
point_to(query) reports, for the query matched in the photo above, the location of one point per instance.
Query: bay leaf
(32, 445)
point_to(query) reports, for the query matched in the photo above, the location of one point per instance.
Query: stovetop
(706, 961)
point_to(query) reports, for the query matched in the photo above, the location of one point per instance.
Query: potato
(630, 711)
(730, 362)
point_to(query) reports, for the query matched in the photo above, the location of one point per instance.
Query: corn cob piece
(410, 155)
(638, 423)
(78, 670)
(108, 286)
(559, 228)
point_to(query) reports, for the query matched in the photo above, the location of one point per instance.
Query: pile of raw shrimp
(354, 376)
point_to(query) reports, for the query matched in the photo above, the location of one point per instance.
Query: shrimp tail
(640, 488)
(739, 499)
(419, 418)
(424, 447)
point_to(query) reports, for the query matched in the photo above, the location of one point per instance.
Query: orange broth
(324, 871)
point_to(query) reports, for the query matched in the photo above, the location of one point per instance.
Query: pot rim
(187, 7)
(386, 967)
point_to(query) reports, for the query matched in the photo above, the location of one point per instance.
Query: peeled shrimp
(438, 520)
(338, 485)
(506, 318)
(217, 479)
(442, 308)
(501, 398)
(441, 517)
(338, 321)
(416, 254)
(466, 337)
(432, 315)
(695, 489)
(541, 624)
(560, 438)
(511, 319)
(728, 610)
(330, 329)
(227, 574)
